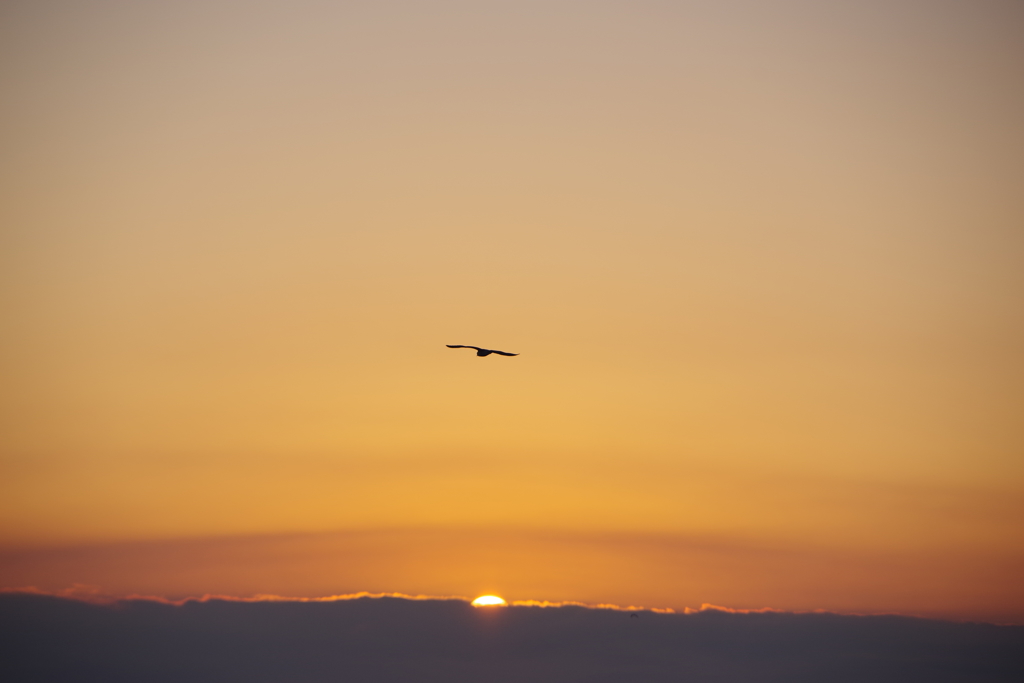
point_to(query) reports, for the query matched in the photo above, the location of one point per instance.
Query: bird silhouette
(481, 352)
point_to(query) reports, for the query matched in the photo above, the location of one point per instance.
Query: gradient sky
(764, 264)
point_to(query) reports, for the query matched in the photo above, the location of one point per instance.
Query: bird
(481, 352)
(634, 615)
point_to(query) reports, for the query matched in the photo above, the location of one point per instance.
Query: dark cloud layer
(44, 638)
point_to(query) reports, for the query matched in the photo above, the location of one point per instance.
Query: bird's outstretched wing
(460, 346)
(503, 353)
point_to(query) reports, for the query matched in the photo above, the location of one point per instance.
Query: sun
(489, 601)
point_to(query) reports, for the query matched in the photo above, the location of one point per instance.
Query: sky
(763, 264)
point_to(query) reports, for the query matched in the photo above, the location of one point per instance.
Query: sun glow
(489, 601)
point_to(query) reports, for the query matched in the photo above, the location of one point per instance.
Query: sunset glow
(489, 601)
(762, 265)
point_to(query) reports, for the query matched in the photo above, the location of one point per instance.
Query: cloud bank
(384, 639)
(619, 568)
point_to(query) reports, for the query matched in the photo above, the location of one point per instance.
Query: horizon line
(92, 595)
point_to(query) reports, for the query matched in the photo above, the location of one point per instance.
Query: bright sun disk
(489, 601)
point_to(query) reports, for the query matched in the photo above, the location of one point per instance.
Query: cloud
(388, 638)
(93, 594)
(601, 605)
(662, 570)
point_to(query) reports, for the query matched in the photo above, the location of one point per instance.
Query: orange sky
(762, 261)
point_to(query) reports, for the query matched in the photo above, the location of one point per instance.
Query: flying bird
(481, 352)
